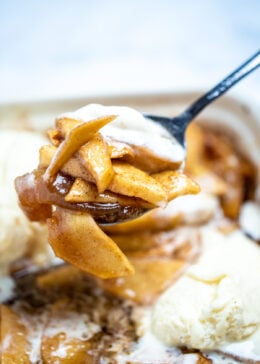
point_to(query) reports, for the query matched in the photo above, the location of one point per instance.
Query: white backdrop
(55, 49)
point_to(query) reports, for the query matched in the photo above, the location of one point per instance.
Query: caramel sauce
(36, 197)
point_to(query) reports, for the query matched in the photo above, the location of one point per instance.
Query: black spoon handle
(177, 125)
(250, 65)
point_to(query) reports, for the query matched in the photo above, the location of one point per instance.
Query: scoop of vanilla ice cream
(217, 300)
(18, 155)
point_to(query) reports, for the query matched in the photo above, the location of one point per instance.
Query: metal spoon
(112, 213)
(178, 124)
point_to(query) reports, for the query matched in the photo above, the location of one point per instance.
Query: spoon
(177, 126)
(112, 213)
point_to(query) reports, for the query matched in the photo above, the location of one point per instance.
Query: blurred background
(63, 49)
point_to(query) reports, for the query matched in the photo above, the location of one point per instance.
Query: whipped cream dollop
(216, 302)
(133, 128)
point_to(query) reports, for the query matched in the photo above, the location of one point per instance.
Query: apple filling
(84, 179)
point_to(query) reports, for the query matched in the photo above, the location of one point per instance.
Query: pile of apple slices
(85, 178)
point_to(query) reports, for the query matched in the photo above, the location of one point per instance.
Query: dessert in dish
(192, 298)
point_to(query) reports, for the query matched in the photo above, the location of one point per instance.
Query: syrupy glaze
(37, 197)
